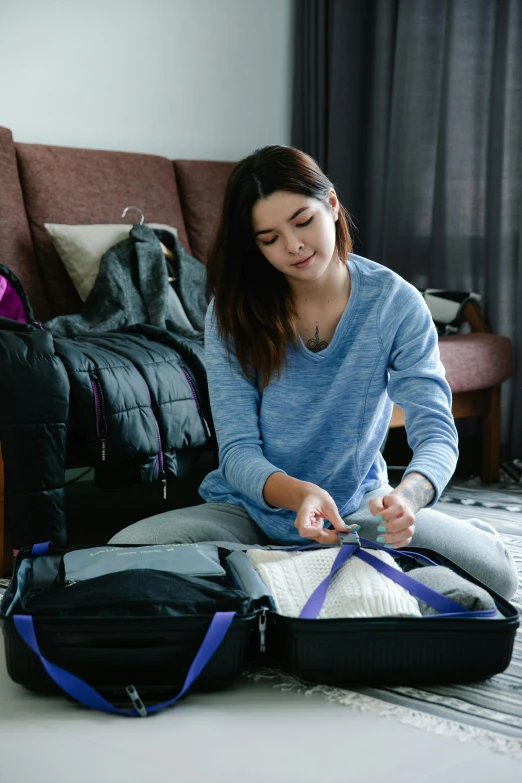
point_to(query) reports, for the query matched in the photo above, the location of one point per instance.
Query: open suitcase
(137, 664)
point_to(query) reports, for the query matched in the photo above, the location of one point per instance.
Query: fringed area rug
(488, 712)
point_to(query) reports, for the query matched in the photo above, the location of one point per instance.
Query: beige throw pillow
(81, 248)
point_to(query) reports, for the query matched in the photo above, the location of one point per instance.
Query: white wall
(182, 78)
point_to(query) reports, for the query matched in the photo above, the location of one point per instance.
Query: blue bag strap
(313, 606)
(369, 545)
(37, 550)
(405, 553)
(79, 690)
(444, 605)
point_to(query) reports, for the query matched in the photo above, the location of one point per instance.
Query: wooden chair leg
(491, 439)
(6, 552)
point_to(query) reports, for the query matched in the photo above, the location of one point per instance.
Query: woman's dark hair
(254, 304)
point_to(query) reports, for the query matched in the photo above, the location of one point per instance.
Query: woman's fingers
(311, 518)
(310, 524)
(328, 537)
(337, 521)
(319, 534)
(376, 506)
(398, 538)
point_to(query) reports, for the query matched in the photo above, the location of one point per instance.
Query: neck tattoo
(315, 345)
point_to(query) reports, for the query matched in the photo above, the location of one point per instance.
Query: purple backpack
(14, 302)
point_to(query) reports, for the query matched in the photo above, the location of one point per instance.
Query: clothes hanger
(166, 251)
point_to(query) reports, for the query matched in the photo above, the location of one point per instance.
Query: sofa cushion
(67, 185)
(202, 185)
(476, 361)
(16, 247)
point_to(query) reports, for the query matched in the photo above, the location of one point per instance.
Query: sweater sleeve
(417, 384)
(234, 400)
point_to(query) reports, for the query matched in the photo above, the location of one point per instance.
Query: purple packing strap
(404, 552)
(37, 550)
(444, 605)
(315, 603)
(83, 693)
(369, 545)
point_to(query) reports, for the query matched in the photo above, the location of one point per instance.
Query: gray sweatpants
(473, 545)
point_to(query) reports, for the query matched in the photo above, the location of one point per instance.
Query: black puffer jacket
(137, 398)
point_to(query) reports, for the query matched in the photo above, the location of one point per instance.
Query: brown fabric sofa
(45, 184)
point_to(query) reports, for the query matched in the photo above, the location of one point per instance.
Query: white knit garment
(357, 590)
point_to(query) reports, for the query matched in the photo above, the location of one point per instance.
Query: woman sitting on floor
(307, 347)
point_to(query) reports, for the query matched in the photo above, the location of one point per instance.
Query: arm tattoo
(417, 489)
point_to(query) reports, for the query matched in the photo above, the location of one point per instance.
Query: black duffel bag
(136, 635)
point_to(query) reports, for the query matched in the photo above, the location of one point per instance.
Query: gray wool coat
(132, 287)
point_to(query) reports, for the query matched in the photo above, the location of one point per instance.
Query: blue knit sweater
(326, 417)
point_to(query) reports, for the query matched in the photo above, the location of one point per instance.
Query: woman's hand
(397, 510)
(317, 506)
(396, 517)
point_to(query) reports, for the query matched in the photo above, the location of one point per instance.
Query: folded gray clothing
(450, 584)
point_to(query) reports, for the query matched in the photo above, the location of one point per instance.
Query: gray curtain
(414, 109)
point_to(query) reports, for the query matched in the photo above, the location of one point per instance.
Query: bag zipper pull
(164, 482)
(137, 703)
(262, 630)
(206, 427)
(103, 449)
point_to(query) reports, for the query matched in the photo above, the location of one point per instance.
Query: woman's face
(290, 228)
